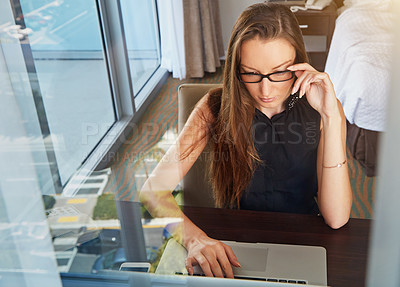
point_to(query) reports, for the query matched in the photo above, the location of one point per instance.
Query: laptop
(294, 264)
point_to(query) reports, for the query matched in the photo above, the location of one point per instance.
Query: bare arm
(213, 256)
(334, 194)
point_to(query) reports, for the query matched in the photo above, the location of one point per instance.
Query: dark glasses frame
(268, 76)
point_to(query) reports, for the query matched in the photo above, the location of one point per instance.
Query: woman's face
(265, 57)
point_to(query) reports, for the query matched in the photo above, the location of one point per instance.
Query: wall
(230, 11)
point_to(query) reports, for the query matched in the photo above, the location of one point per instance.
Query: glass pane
(66, 44)
(63, 53)
(141, 34)
(24, 235)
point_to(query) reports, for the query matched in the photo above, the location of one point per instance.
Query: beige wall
(229, 12)
(231, 9)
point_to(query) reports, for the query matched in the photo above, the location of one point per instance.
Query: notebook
(295, 264)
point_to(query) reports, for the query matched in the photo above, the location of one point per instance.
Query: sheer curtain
(170, 16)
(191, 37)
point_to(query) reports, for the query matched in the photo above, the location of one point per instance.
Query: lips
(267, 100)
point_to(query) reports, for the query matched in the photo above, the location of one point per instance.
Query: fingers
(231, 255)
(301, 67)
(306, 75)
(305, 79)
(302, 84)
(224, 261)
(200, 259)
(301, 73)
(190, 261)
(215, 260)
(229, 258)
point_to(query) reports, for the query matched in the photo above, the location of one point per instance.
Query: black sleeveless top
(287, 144)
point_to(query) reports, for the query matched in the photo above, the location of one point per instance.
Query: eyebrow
(284, 63)
(280, 65)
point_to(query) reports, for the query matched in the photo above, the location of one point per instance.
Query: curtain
(191, 37)
(170, 16)
(203, 37)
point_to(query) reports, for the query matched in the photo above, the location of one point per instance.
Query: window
(142, 42)
(67, 94)
(69, 73)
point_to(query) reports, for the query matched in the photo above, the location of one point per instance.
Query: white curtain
(170, 15)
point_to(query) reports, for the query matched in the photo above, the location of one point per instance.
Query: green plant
(105, 207)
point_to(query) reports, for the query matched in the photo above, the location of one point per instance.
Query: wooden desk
(347, 248)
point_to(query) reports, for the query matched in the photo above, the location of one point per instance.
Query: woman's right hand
(213, 256)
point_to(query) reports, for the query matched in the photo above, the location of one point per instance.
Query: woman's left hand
(317, 87)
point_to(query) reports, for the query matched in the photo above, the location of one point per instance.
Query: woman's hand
(317, 87)
(213, 256)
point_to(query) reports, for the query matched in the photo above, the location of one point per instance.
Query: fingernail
(293, 90)
(238, 264)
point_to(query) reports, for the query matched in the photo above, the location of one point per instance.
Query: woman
(277, 133)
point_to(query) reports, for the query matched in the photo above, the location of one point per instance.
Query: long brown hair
(234, 157)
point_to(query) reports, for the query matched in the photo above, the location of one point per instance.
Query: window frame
(127, 113)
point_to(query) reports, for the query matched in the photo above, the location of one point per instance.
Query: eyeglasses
(281, 76)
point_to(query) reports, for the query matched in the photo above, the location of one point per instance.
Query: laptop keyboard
(280, 280)
(301, 282)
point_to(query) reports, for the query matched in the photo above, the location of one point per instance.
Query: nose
(265, 87)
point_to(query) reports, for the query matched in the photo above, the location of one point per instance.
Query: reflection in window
(60, 106)
(68, 58)
(141, 34)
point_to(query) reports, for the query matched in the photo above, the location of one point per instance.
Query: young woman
(277, 134)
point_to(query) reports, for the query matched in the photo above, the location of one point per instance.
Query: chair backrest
(196, 188)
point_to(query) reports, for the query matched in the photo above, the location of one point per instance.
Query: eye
(250, 77)
(281, 76)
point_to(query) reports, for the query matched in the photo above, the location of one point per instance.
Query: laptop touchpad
(252, 259)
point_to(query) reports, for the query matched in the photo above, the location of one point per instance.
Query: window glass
(72, 81)
(60, 105)
(140, 20)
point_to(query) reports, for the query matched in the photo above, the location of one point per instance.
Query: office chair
(197, 190)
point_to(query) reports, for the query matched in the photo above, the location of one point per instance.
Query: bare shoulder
(201, 111)
(202, 104)
(207, 107)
